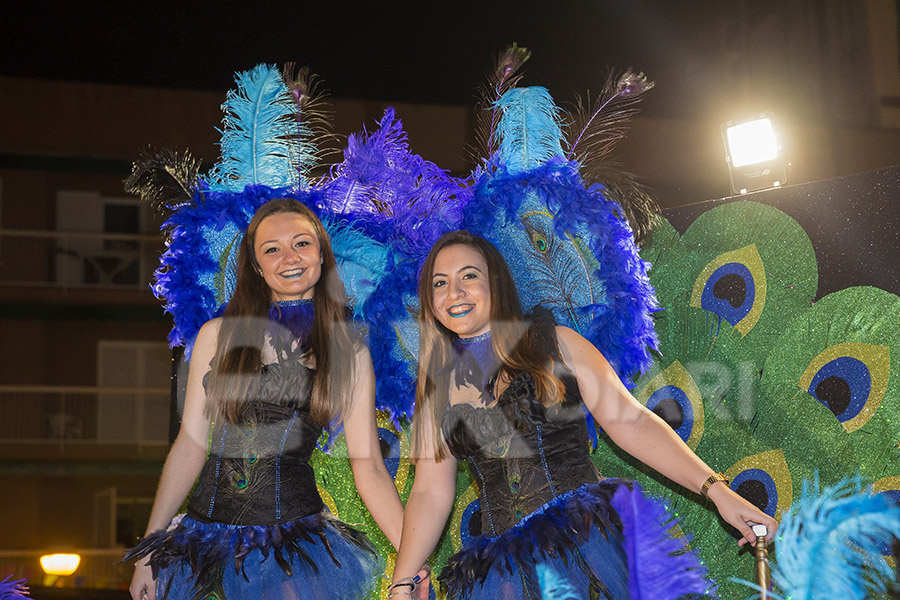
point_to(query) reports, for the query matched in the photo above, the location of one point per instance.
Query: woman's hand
(143, 586)
(740, 513)
(424, 584)
(417, 588)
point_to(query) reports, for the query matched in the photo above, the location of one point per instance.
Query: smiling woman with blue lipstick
(462, 295)
(282, 364)
(506, 394)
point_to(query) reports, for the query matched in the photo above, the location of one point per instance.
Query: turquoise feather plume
(530, 132)
(830, 545)
(262, 140)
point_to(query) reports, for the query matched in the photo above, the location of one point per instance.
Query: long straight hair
(237, 362)
(515, 342)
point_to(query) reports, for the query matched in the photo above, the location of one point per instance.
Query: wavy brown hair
(515, 342)
(237, 362)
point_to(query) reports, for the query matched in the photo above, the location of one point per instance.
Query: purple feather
(661, 567)
(10, 588)
(380, 180)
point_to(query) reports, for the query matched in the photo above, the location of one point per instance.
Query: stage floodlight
(754, 155)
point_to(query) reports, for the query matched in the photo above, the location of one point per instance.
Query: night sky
(417, 51)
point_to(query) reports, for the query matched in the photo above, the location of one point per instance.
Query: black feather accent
(556, 530)
(312, 108)
(593, 130)
(503, 75)
(639, 206)
(596, 126)
(208, 547)
(165, 179)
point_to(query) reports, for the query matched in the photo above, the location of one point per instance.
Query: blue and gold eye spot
(733, 287)
(561, 269)
(465, 522)
(394, 446)
(241, 481)
(539, 239)
(390, 450)
(674, 396)
(850, 379)
(890, 487)
(328, 500)
(764, 480)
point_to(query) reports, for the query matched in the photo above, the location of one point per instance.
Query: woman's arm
(186, 457)
(374, 483)
(645, 436)
(427, 511)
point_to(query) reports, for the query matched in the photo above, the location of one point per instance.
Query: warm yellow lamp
(58, 565)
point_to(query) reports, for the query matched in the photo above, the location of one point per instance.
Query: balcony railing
(78, 260)
(82, 415)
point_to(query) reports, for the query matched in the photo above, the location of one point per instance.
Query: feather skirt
(315, 557)
(605, 540)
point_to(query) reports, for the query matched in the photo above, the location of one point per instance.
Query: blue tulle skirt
(315, 557)
(604, 540)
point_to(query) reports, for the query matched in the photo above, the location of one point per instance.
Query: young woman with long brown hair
(506, 394)
(265, 379)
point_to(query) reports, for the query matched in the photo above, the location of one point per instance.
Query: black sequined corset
(258, 471)
(521, 454)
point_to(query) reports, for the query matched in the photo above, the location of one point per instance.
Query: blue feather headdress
(566, 241)
(267, 152)
(263, 142)
(383, 207)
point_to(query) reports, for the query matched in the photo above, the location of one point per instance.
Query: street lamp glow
(60, 564)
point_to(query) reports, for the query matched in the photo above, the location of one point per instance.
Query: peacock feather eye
(675, 397)
(389, 442)
(890, 488)
(241, 482)
(465, 520)
(733, 287)
(251, 457)
(514, 481)
(538, 238)
(850, 379)
(764, 480)
(394, 443)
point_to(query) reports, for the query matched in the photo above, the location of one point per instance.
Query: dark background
(704, 56)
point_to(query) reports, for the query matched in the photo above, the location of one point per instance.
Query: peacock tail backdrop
(773, 325)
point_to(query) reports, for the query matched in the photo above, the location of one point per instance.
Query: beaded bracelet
(704, 489)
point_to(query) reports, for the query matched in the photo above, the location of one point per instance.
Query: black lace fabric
(521, 454)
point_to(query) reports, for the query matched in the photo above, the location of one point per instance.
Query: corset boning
(521, 454)
(258, 471)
